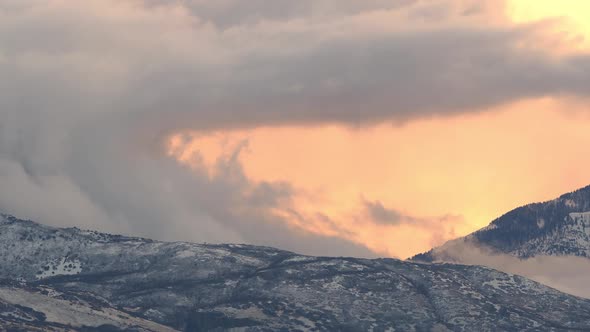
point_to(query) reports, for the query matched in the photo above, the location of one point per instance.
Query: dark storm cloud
(190, 72)
(395, 77)
(89, 89)
(380, 214)
(228, 13)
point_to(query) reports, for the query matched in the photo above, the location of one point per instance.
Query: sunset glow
(446, 177)
(574, 16)
(462, 170)
(294, 165)
(360, 128)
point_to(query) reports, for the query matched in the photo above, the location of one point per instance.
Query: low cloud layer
(568, 274)
(90, 90)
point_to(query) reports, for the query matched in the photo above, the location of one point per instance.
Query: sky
(356, 128)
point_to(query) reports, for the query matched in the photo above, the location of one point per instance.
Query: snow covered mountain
(560, 227)
(70, 279)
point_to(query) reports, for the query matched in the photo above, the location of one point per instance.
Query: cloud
(440, 228)
(352, 67)
(380, 214)
(228, 13)
(564, 273)
(89, 90)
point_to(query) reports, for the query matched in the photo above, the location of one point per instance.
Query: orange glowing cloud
(575, 16)
(400, 189)
(281, 118)
(445, 177)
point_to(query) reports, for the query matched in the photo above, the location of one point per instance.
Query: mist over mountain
(559, 227)
(548, 241)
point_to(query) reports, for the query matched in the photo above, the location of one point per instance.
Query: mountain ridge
(205, 287)
(557, 227)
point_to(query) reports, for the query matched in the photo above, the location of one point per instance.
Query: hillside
(144, 284)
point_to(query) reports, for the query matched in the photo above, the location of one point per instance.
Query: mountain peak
(559, 227)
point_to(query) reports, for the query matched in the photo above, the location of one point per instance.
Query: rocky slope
(40, 308)
(118, 283)
(560, 227)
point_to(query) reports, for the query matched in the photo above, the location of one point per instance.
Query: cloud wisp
(564, 273)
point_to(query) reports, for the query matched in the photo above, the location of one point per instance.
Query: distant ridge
(559, 227)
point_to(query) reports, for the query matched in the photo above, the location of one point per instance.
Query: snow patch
(308, 324)
(488, 227)
(251, 312)
(185, 254)
(500, 284)
(581, 216)
(298, 259)
(153, 314)
(60, 267)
